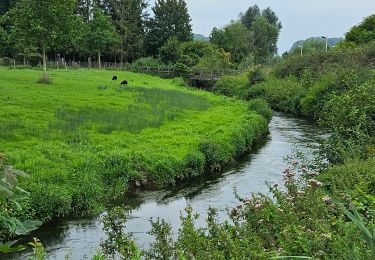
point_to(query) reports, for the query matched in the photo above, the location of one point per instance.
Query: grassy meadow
(85, 138)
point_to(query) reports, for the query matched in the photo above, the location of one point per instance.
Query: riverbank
(85, 139)
(262, 165)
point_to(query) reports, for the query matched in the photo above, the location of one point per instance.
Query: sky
(301, 19)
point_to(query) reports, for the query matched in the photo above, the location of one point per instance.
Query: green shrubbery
(303, 219)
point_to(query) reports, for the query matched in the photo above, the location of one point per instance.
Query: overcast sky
(300, 18)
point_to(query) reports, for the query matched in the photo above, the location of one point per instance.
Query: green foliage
(362, 33)
(283, 95)
(39, 252)
(299, 222)
(261, 107)
(54, 23)
(256, 76)
(265, 39)
(129, 17)
(11, 198)
(170, 52)
(147, 62)
(255, 35)
(171, 19)
(118, 242)
(100, 34)
(314, 44)
(232, 86)
(235, 39)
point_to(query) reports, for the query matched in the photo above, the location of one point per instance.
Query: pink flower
(314, 183)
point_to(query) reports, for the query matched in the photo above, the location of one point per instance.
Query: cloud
(300, 18)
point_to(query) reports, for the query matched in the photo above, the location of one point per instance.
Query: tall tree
(265, 39)
(128, 16)
(234, 38)
(271, 17)
(171, 19)
(249, 16)
(43, 25)
(101, 34)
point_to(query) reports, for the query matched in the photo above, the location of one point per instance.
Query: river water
(79, 239)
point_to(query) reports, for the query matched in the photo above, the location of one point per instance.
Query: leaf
(27, 226)
(7, 248)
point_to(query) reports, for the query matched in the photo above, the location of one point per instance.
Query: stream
(80, 239)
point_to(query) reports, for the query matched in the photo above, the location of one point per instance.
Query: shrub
(283, 95)
(261, 107)
(232, 86)
(147, 62)
(256, 76)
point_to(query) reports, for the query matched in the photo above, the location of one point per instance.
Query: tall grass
(85, 138)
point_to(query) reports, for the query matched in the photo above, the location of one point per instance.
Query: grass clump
(82, 144)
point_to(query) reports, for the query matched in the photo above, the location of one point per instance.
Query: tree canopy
(43, 25)
(171, 19)
(253, 38)
(362, 33)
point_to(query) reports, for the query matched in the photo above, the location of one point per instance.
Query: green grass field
(84, 138)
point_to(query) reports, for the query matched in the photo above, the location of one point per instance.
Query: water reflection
(81, 238)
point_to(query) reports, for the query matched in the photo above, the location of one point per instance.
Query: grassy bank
(323, 211)
(85, 138)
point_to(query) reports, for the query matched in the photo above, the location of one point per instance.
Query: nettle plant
(11, 196)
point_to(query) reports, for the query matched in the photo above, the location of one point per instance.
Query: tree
(265, 39)
(128, 16)
(43, 25)
(234, 38)
(271, 17)
(171, 19)
(4, 6)
(249, 16)
(171, 51)
(362, 33)
(101, 34)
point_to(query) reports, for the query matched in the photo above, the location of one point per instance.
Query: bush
(232, 86)
(261, 107)
(44, 80)
(282, 95)
(256, 76)
(147, 62)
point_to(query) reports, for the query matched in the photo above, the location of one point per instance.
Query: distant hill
(331, 42)
(200, 37)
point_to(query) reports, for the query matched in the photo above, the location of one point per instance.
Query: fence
(161, 71)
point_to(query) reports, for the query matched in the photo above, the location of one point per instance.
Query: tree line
(123, 31)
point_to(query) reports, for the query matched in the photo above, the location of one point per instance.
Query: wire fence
(161, 71)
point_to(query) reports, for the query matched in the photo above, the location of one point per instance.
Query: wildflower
(327, 199)
(301, 192)
(258, 205)
(281, 210)
(261, 221)
(313, 174)
(314, 183)
(326, 236)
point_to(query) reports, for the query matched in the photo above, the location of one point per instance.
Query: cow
(124, 82)
(114, 78)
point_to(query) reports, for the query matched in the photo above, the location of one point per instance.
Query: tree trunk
(99, 61)
(44, 62)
